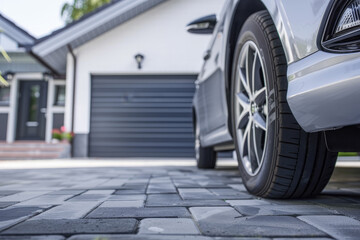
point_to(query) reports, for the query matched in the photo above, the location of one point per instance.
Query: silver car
(280, 84)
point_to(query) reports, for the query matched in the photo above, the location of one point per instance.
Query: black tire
(205, 156)
(295, 164)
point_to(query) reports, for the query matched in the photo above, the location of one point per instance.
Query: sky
(37, 17)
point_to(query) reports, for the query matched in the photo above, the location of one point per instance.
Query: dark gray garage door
(141, 116)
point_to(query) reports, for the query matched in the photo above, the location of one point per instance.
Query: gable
(15, 33)
(54, 48)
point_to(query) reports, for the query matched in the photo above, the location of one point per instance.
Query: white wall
(159, 34)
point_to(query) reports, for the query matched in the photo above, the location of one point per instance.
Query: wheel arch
(194, 118)
(243, 10)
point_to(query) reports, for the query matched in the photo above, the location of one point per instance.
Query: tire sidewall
(251, 31)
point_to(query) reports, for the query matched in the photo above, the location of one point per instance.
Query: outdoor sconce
(9, 75)
(139, 59)
(46, 76)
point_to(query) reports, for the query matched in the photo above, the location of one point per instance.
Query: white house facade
(129, 70)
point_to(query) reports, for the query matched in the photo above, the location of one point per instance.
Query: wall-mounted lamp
(9, 75)
(139, 59)
(46, 76)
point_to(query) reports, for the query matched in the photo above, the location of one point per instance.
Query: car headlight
(342, 27)
(350, 17)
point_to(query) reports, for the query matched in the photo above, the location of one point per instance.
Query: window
(59, 95)
(4, 96)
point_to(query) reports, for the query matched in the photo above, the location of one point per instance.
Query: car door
(210, 99)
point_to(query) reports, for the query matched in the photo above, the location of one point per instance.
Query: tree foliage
(78, 8)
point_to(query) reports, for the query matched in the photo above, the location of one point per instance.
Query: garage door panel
(153, 144)
(137, 105)
(146, 111)
(153, 136)
(146, 87)
(144, 100)
(142, 154)
(125, 118)
(141, 116)
(142, 94)
(110, 129)
(99, 126)
(143, 149)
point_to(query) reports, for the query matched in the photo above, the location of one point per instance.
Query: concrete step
(33, 150)
(30, 149)
(28, 155)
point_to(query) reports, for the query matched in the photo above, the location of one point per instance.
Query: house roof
(53, 48)
(18, 34)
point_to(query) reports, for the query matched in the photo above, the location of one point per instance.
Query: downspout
(74, 86)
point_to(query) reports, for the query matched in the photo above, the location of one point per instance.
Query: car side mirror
(203, 25)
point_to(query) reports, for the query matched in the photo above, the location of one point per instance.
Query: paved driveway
(166, 202)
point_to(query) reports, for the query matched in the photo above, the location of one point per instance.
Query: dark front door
(31, 110)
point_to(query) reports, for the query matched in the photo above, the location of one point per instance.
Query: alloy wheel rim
(251, 108)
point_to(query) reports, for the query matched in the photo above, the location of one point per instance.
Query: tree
(74, 11)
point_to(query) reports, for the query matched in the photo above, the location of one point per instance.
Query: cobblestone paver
(167, 203)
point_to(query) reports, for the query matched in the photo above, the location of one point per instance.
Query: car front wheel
(277, 159)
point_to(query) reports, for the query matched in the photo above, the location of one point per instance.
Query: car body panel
(323, 91)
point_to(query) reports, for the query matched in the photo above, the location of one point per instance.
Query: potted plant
(61, 135)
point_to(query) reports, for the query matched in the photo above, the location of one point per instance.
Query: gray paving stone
(228, 193)
(323, 199)
(284, 202)
(14, 215)
(122, 204)
(350, 210)
(225, 221)
(339, 227)
(139, 212)
(66, 192)
(225, 191)
(174, 200)
(6, 204)
(186, 183)
(22, 196)
(195, 193)
(179, 226)
(17, 212)
(89, 197)
(156, 237)
(46, 237)
(210, 184)
(100, 192)
(140, 237)
(4, 193)
(89, 184)
(45, 200)
(130, 192)
(68, 210)
(160, 188)
(77, 226)
(112, 184)
(127, 197)
(278, 210)
(251, 202)
(239, 187)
